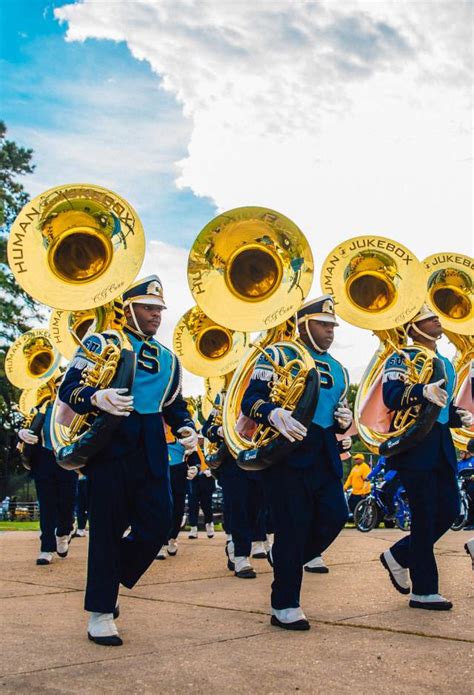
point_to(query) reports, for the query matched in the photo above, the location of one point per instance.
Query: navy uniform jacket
(438, 445)
(320, 443)
(156, 391)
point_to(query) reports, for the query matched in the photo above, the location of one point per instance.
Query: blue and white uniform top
(399, 394)
(334, 383)
(176, 453)
(157, 381)
(46, 429)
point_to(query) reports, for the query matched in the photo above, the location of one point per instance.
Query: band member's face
(431, 327)
(322, 332)
(148, 317)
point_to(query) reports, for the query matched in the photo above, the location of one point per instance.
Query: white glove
(28, 436)
(192, 472)
(111, 401)
(189, 439)
(466, 417)
(220, 432)
(346, 443)
(283, 421)
(435, 394)
(343, 417)
(207, 473)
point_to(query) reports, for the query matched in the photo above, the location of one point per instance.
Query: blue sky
(91, 112)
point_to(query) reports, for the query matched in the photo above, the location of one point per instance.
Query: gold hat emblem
(328, 307)
(154, 287)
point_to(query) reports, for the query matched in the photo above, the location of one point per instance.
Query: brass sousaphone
(78, 247)
(212, 351)
(32, 364)
(378, 284)
(250, 269)
(451, 296)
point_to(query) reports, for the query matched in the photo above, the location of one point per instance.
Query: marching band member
(201, 489)
(244, 494)
(81, 505)
(129, 479)
(56, 489)
(181, 470)
(427, 470)
(305, 492)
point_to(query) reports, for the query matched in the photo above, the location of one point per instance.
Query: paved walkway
(191, 626)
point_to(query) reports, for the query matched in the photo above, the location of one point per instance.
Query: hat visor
(147, 299)
(325, 318)
(422, 317)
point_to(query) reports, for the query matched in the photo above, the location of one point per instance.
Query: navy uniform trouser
(56, 489)
(82, 502)
(244, 491)
(178, 473)
(309, 510)
(433, 497)
(122, 493)
(202, 488)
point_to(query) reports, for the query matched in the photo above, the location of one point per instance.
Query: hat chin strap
(135, 322)
(422, 333)
(311, 339)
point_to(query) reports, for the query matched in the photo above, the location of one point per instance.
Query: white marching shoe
(229, 551)
(80, 533)
(44, 558)
(210, 530)
(62, 545)
(430, 602)
(316, 566)
(258, 550)
(268, 543)
(243, 568)
(172, 546)
(102, 630)
(399, 576)
(290, 619)
(161, 555)
(193, 532)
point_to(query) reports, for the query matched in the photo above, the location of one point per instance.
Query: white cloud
(350, 118)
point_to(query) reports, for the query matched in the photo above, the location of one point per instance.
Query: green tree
(17, 309)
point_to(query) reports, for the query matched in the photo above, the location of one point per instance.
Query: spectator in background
(466, 471)
(357, 480)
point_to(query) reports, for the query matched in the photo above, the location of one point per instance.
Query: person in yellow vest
(357, 480)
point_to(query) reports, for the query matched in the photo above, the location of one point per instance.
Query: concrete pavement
(191, 626)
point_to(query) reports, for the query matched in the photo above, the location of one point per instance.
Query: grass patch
(19, 525)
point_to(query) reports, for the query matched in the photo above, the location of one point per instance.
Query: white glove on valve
(435, 394)
(220, 432)
(28, 436)
(346, 443)
(192, 472)
(111, 401)
(343, 417)
(189, 439)
(465, 416)
(283, 421)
